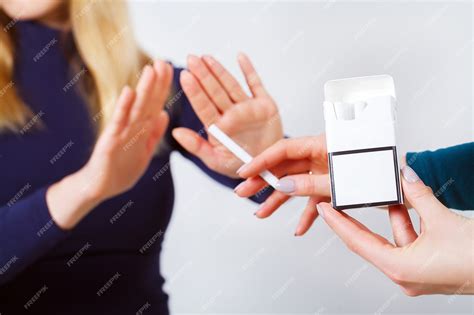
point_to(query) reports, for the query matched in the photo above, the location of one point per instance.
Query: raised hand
(122, 152)
(438, 260)
(217, 97)
(125, 148)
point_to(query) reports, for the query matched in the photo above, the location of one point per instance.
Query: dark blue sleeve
(27, 232)
(182, 115)
(449, 172)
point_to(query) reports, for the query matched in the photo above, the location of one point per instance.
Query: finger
(164, 74)
(368, 245)
(309, 215)
(402, 228)
(210, 84)
(313, 148)
(230, 84)
(202, 105)
(122, 109)
(304, 185)
(254, 184)
(144, 90)
(421, 197)
(161, 123)
(251, 76)
(245, 114)
(271, 204)
(192, 142)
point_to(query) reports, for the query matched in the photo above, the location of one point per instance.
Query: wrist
(89, 184)
(71, 199)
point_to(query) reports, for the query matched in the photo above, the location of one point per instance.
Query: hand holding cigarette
(306, 159)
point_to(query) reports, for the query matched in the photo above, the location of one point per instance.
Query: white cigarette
(240, 153)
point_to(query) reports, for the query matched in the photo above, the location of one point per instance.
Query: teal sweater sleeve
(449, 172)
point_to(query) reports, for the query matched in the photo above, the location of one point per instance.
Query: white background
(217, 256)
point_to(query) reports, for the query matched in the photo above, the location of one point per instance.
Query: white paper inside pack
(360, 117)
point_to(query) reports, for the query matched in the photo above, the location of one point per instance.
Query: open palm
(216, 97)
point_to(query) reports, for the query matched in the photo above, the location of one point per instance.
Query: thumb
(305, 185)
(192, 142)
(420, 196)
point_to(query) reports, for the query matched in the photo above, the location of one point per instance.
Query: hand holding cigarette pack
(360, 117)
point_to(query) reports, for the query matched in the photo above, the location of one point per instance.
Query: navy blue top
(449, 172)
(109, 263)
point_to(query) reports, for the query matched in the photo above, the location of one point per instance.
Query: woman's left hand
(216, 97)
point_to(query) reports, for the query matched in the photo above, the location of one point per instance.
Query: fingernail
(285, 185)
(260, 208)
(409, 174)
(241, 169)
(297, 232)
(238, 186)
(320, 210)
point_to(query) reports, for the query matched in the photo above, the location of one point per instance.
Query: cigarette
(240, 153)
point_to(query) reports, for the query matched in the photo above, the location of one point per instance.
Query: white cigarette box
(360, 117)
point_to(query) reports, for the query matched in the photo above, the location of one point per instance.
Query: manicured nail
(241, 169)
(285, 185)
(409, 174)
(238, 186)
(320, 210)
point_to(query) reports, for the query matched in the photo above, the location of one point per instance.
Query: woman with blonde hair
(88, 124)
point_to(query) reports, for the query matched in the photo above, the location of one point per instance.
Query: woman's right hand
(437, 261)
(122, 152)
(303, 164)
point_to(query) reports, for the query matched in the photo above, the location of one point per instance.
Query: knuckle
(421, 192)
(411, 291)
(398, 276)
(308, 184)
(352, 245)
(234, 86)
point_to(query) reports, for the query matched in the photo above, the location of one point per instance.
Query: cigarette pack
(360, 118)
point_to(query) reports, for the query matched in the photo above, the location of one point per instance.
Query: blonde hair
(106, 46)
